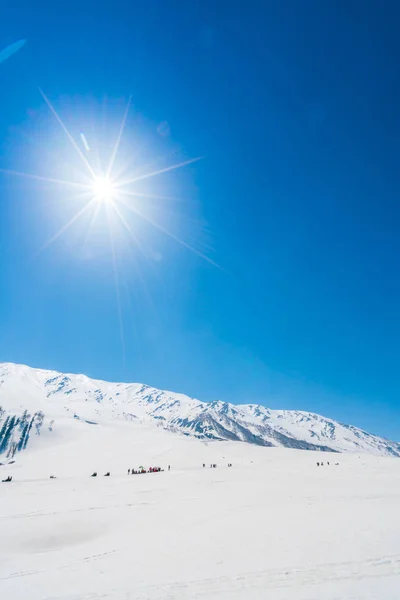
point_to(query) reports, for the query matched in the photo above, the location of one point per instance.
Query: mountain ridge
(36, 400)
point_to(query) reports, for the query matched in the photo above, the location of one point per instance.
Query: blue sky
(295, 108)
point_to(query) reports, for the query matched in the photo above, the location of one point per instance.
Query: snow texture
(274, 525)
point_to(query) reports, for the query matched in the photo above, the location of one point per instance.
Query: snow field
(272, 526)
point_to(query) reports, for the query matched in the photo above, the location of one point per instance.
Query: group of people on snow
(142, 470)
(139, 471)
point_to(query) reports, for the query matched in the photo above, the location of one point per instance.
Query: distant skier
(107, 474)
(7, 480)
(129, 471)
(94, 474)
(169, 467)
(317, 464)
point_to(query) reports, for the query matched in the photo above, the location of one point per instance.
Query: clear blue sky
(295, 106)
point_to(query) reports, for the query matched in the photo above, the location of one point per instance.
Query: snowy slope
(273, 526)
(45, 404)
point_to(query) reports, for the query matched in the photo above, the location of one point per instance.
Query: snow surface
(40, 401)
(273, 526)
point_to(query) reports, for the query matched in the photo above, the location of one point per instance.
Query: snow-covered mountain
(34, 402)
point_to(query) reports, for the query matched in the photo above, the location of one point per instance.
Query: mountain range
(34, 401)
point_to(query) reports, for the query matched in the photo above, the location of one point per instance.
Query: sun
(111, 187)
(103, 189)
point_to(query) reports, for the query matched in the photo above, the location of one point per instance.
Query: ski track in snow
(264, 580)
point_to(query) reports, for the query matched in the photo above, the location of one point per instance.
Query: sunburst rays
(113, 194)
(108, 186)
